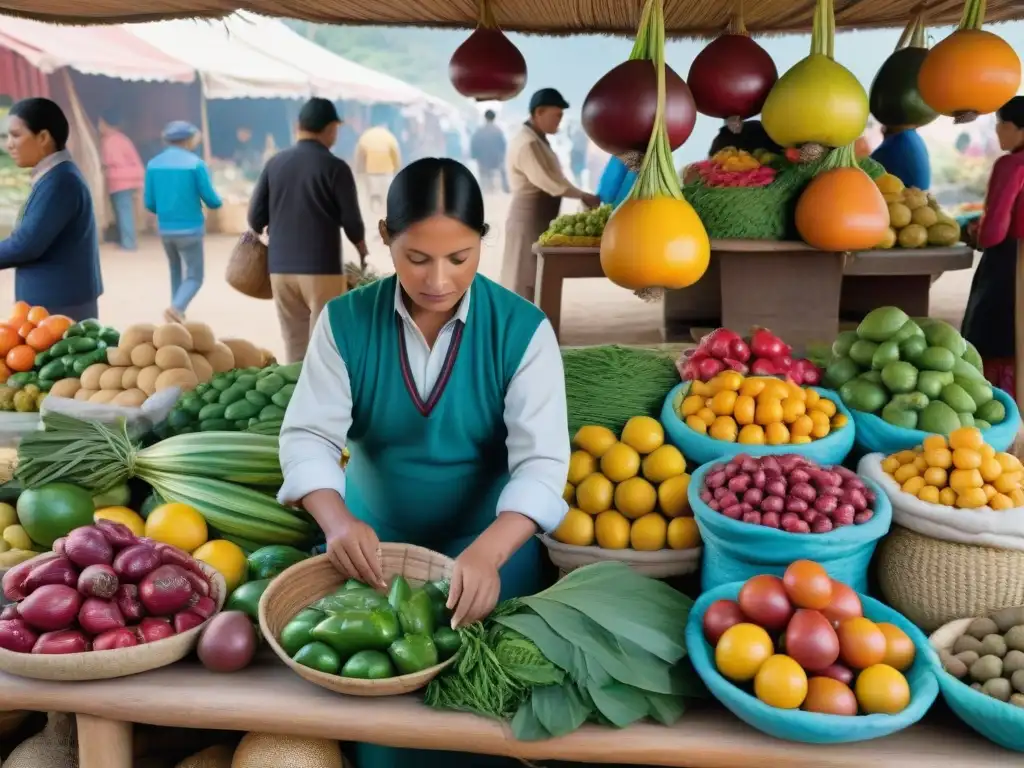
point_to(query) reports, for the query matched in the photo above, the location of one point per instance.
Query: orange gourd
(654, 240)
(972, 72)
(842, 209)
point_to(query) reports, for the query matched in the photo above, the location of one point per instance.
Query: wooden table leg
(104, 743)
(795, 295)
(547, 293)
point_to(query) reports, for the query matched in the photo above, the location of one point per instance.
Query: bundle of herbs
(605, 644)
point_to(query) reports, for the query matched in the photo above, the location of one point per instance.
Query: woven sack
(933, 582)
(218, 756)
(981, 527)
(248, 272)
(262, 750)
(56, 746)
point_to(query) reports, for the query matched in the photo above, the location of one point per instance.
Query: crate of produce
(627, 496)
(735, 414)
(957, 548)
(842, 667)
(904, 378)
(981, 673)
(800, 511)
(312, 650)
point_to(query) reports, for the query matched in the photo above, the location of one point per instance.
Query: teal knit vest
(430, 472)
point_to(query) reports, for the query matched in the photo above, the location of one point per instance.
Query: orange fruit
(21, 358)
(899, 648)
(40, 338)
(9, 339)
(5, 373)
(37, 315)
(883, 690)
(861, 643)
(741, 650)
(19, 312)
(808, 585)
(25, 329)
(57, 324)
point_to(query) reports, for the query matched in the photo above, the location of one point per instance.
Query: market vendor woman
(449, 391)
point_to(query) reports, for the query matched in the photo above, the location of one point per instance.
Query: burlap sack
(260, 750)
(218, 756)
(247, 270)
(56, 746)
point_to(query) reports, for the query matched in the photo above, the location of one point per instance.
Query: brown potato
(91, 376)
(85, 394)
(182, 378)
(111, 378)
(119, 356)
(66, 387)
(143, 355)
(130, 398)
(172, 335)
(203, 339)
(147, 379)
(172, 357)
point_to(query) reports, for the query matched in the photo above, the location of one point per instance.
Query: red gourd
(619, 112)
(733, 75)
(487, 66)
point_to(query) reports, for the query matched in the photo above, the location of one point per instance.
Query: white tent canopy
(229, 68)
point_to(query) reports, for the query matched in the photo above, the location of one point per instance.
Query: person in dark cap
(177, 186)
(488, 148)
(303, 199)
(538, 186)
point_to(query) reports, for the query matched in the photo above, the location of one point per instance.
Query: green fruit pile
(577, 228)
(246, 399)
(915, 373)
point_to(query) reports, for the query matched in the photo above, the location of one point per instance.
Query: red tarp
(19, 79)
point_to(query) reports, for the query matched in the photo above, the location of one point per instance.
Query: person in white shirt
(449, 392)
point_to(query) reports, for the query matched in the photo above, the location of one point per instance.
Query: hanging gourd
(819, 103)
(972, 72)
(654, 239)
(731, 78)
(894, 97)
(842, 209)
(487, 66)
(618, 113)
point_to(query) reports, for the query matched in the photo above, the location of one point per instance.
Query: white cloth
(319, 417)
(981, 527)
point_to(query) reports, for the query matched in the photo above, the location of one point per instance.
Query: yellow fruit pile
(915, 219)
(627, 492)
(758, 410)
(962, 471)
(15, 545)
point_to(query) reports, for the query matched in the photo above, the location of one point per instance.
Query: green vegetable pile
(84, 344)
(917, 374)
(577, 228)
(246, 399)
(358, 632)
(605, 644)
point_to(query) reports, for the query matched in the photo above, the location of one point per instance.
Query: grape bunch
(589, 224)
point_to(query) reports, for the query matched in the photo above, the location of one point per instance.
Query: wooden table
(268, 697)
(794, 289)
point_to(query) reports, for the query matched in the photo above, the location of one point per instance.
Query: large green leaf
(621, 704)
(556, 649)
(665, 709)
(526, 726)
(559, 708)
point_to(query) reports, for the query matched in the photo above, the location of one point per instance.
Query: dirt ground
(594, 311)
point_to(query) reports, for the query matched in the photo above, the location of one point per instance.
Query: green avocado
(840, 371)
(980, 391)
(898, 417)
(956, 397)
(369, 665)
(994, 412)
(942, 334)
(972, 358)
(841, 346)
(862, 352)
(931, 383)
(910, 349)
(936, 359)
(939, 418)
(862, 395)
(54, 510)
(887, 352)
(899, 376)
(882, 324)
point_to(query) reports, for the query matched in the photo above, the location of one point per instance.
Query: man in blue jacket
(903, 154)
(177, 185)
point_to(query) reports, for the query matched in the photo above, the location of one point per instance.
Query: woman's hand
(354, 550)
(475, 585)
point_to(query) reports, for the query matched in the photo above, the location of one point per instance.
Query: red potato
(51, 607)
(128, 603)
(98, 616)
(88, 546)
(98, 581)
(61, 642)
(115, 639)
(228, 643)
(151, 630)
(56, 571)
(17, 636)
(14, 578)
(134, 563)
(166, 591)
(119, 535)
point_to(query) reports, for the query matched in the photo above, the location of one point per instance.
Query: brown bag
(247, 270)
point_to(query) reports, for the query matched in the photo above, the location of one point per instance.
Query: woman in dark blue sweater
(54, 245)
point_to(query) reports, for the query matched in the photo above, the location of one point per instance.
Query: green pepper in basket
(358, 630)
(369, 665)
(439, 599)
(364, 599)
(320, 657)
(399, 592)
(296, 633)
(447, 641)
(413, 653)
(416, 614)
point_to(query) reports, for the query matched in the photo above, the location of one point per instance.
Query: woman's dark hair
(1012, 111)
(43, 115)
(431, 186)
(751, 136)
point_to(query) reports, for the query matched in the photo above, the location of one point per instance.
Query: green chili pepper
(358, 630)
(447, 641)
(320, 657)
(413, 653)
(400, 591)
(416, 614)
(296, 633)
(369, 665)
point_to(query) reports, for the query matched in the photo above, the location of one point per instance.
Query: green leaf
(665, 709)
(559, 708)
(534, 676)
(554, 648)
(621, 704)
(526, 726)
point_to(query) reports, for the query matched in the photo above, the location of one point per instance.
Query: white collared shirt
(319, 417)
(48, 163)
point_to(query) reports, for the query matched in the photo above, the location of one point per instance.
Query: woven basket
(308, 581)
(658, 565)
(105, 665)
(933, 582)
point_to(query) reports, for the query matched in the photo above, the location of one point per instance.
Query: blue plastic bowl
(997, 721)
(875, 435)
(700, 449)
(813, 727)
(735, 551)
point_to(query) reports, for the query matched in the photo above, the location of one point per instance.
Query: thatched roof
(698, 18)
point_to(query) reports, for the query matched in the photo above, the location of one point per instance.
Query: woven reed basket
(308, 581)
(105, 665)
(933, 582)
(661, 564)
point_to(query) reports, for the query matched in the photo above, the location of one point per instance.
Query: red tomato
(719, 616)
(829, 697)
(811, 641)
(808, 585)
(845, 604)
(838, 672)
(763, 600)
